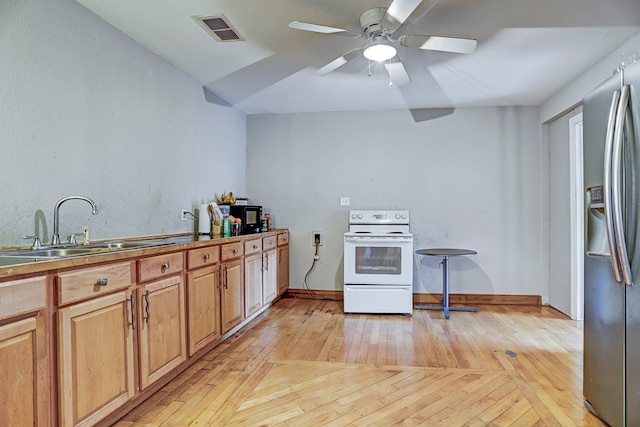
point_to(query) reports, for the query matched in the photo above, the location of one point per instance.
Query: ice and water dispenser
(596, 239)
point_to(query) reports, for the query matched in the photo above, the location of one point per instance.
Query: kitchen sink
(12, 260)
(46, 253)
(76, 250)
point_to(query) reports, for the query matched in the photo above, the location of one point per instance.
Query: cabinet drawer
(159, 266)
(232, 250)
(90, 282)
(269, 243)
(252, 246)
(283, 238)
(22, 296)
(204, 256)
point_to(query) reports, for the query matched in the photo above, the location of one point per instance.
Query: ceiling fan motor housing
(371, 22)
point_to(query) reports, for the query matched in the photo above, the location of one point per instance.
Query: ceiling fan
(379, 27)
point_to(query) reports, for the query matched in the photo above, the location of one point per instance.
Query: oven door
(378, 260)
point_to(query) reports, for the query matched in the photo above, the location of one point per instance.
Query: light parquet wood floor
(305, 363)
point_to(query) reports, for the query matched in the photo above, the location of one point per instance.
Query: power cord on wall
(305, 282)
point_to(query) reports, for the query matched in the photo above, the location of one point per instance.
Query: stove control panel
(378, 217)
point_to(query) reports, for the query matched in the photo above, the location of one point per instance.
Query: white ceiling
(527, 50)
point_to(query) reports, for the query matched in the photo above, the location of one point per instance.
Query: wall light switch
(344, 201)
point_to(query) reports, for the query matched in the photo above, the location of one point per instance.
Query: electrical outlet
(344, 201)
(184, 214)
(318, 238)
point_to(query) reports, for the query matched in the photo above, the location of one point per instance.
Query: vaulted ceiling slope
(527, 50)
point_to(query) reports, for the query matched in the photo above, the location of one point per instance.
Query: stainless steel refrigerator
(611, 131)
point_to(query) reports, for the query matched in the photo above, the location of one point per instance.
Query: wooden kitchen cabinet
(252, 276)
(232, 286)
(269, 270)
(283, 262)
(96, 324)
(203, 296)
(95, 357)
(24, 361)
(162, 332)
(117, 324)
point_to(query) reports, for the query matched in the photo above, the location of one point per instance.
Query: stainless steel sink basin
(71, 250)
(4, 261)
(68, 251)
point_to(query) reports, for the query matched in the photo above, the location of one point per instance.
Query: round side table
(445, 253)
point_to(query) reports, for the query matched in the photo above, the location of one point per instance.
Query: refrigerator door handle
(606, 188)
(616, 187)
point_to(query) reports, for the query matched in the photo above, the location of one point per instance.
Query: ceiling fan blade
(441, 43)
(399, 11)
(315, 28)
(397, 73)
(338, 62)
(335, 64)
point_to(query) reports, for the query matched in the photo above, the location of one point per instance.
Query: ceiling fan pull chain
(369, 68)
(390, 81)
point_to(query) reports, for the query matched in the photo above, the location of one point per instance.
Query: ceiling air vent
(219, 28)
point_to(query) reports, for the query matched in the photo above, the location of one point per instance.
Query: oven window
(377, 260)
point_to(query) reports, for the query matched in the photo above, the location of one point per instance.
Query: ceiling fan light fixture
(379, 51)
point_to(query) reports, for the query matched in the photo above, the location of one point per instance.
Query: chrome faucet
(55, 240)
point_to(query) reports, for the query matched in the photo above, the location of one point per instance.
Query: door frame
(577, 217)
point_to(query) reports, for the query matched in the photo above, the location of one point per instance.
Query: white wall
(86, 110)
(573, 93)
(471, 180)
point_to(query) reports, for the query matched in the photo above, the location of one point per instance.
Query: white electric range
(378, 262)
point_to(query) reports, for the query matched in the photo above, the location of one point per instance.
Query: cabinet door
(203, 294)
(283, 269)
(95, 357)
(162, 329)
(23, 369)
(232, 294)
(252, 284)
(269, 276)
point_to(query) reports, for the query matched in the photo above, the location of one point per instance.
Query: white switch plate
(344, 201)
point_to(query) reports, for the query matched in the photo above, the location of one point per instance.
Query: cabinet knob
(235, 251)
(255, 246)
(206, 257)
(166, 265)
(103, 281)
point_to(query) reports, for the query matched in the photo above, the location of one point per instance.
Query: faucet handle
(36, 242)
(73, 238)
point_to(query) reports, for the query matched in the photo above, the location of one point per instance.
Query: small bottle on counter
(268, 217)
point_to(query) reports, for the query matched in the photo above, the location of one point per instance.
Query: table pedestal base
(446, 310)
(445, 293)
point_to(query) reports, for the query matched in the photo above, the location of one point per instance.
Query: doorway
(566, 214)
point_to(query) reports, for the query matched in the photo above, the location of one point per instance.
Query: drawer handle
(235, 251)
(166, 265)
(103, 281)
(255, 246)
(206, 257)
